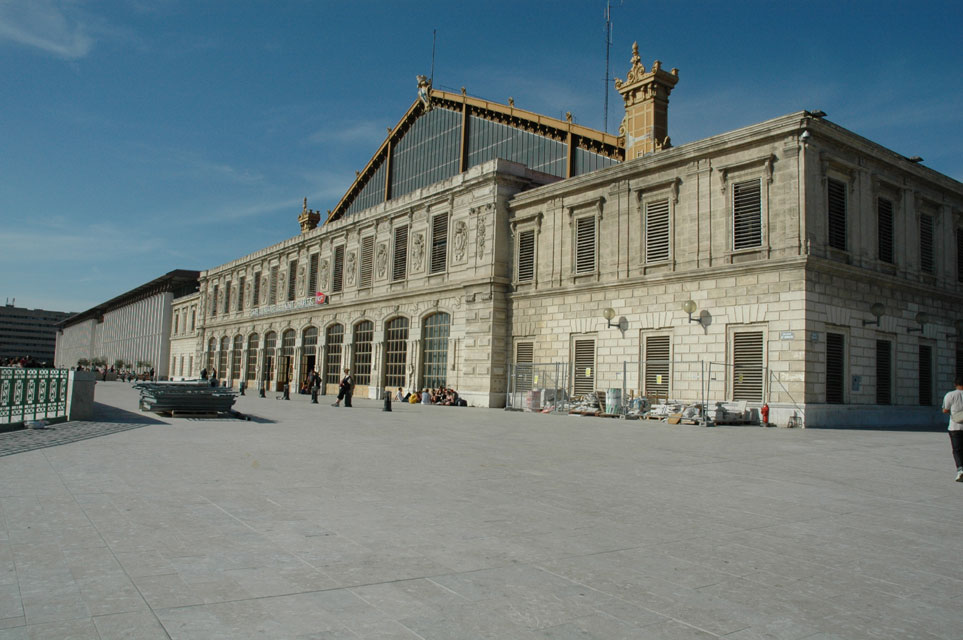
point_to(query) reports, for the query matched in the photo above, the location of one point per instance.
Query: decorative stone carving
(301, 271)
(323, 278)
(382, 260)
(349, 267)
(480, 234)
(264, 290)
(460, 240)
(417, 251)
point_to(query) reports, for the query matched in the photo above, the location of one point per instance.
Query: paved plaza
(442, 523)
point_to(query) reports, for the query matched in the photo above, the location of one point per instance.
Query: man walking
(953, 405)
(345, 388)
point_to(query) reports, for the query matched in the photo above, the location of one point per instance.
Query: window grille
(927, 261)
(583, 378)
(309, 351)
(748, 366)
(585, 245)
(526, 256)
(337, 278)
(363, 335)
(657, 365)
(256, 291)
(435, 350)
(524, 358)
(884, 225)
(746, 214)
(286, 357)
(836, 206)
(251, 369)
(227, 297)
(439, 242)
(400, 265)
(657, 231)
(835, 367)
(236, 358)
(240, 293)
(367, 260)
(270, 342)
(273, 286)
(396, 352)
(332, 355)
(292, 280)
(884, 372)
(313, 274)
(926, 375)
(214, 301)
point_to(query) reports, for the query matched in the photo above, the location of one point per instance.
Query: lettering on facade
(292, 305)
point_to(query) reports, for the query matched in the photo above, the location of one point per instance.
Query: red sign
(320, 298)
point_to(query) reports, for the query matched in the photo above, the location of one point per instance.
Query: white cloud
(43, 25)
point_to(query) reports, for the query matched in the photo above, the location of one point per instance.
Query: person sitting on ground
(400, 396)
(414, 398)
(425, 397)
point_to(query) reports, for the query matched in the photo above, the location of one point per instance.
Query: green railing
(32, 394)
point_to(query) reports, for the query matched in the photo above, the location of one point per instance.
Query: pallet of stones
(185, 398)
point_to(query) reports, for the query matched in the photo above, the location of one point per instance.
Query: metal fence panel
(30, 394)
(537, 386)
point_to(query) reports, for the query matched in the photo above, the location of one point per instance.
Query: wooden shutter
(926, 375)
(524, 357)
(657, 361)
(526, 256)
(337, 280)
(313, 275)
(584, 360)
(884, 225)
(439, 243)
(746, 214)
(400, 266)
(273, 286)
(292, 279)
(884, 372)
(836, 207)
(367, 260)
(748, 372)
(835, 367)
(585, 245)
(927, 261)
(657, 231)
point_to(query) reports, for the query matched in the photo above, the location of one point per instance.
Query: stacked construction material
(185, 398)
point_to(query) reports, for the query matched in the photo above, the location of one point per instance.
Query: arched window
(309, 350)
(222, 358)
(434, 354)
(236, 358)
(396, 352)
(211, 350)
(250, 370)
(286, 359)
(333, 345)
(270, 341)
(361, 365)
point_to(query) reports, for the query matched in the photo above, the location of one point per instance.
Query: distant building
(29, 332)
(134, 326)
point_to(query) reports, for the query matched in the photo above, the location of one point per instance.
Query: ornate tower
(645, 127)
(309, 219)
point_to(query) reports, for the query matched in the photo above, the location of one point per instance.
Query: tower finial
(635, 55)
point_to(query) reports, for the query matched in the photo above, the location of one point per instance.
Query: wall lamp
(608, 314)
(689, 306)
(877, 309)
(921, 319)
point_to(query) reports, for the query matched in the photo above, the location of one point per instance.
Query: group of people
(445, 396)
(25, 362)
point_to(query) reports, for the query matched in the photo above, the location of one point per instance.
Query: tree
(119, 364)
(83, 362)
(99, 361)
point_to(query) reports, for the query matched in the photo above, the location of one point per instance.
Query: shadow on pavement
(884, 427)
(108, 413)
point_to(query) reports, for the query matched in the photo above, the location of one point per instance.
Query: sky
(142, 136)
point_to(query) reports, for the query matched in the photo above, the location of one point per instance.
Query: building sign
(320, 298)
(291, 305)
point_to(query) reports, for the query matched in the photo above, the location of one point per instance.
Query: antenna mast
(608, 45)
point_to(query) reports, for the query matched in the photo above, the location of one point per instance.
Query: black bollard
(314, 394)
(387, 406)
(261, 392)
(242, 386)
(287, 391)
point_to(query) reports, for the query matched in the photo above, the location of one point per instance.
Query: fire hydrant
(765, 414)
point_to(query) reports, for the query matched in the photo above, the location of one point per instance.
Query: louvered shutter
(926, 375)
(227, 297)
(367, 260)
(585, 245)
(439, 242)
(240, 293)
(256, 290)
(746, 215)
(400, 265)
(657, 231)
(526, 256)
(214, 302)
(524, 357)
(313, 276)
(835, 367)
(584, 378)
(836, 206)
(884, 372)
(927, 261)
(337, 278)
(657, 363)
(884, 225)
(748, 371)
(292, 279)
(273, 286)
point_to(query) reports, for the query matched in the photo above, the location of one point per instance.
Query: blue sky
(143, 136)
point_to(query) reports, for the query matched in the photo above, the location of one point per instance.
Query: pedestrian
(345, 389)
(204, 373)
(953, 405)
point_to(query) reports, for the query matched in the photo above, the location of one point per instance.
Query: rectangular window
(240, 293)
(746, 214)
(313, 274)
(836, 207)
(367, 261)
(337, 277)
(273, 286)
(583, 378)
(526, 255)
(884, 226)
(214, 301)
(399, 268)
(657, 363)
(292, 280)
(524, 357)
(439, 243)
(927, 259)
(926, 375)
(748, 366)
(884, 372)
(256, 293)
(585, 245)
(657, 231)
(177, 317)
(227, 297)
(193, 317)
(835, 367)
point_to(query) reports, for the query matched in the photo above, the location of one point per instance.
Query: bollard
(314, 394)
(242, 386)
(261, 392)
(287, 391)
(387, 406)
